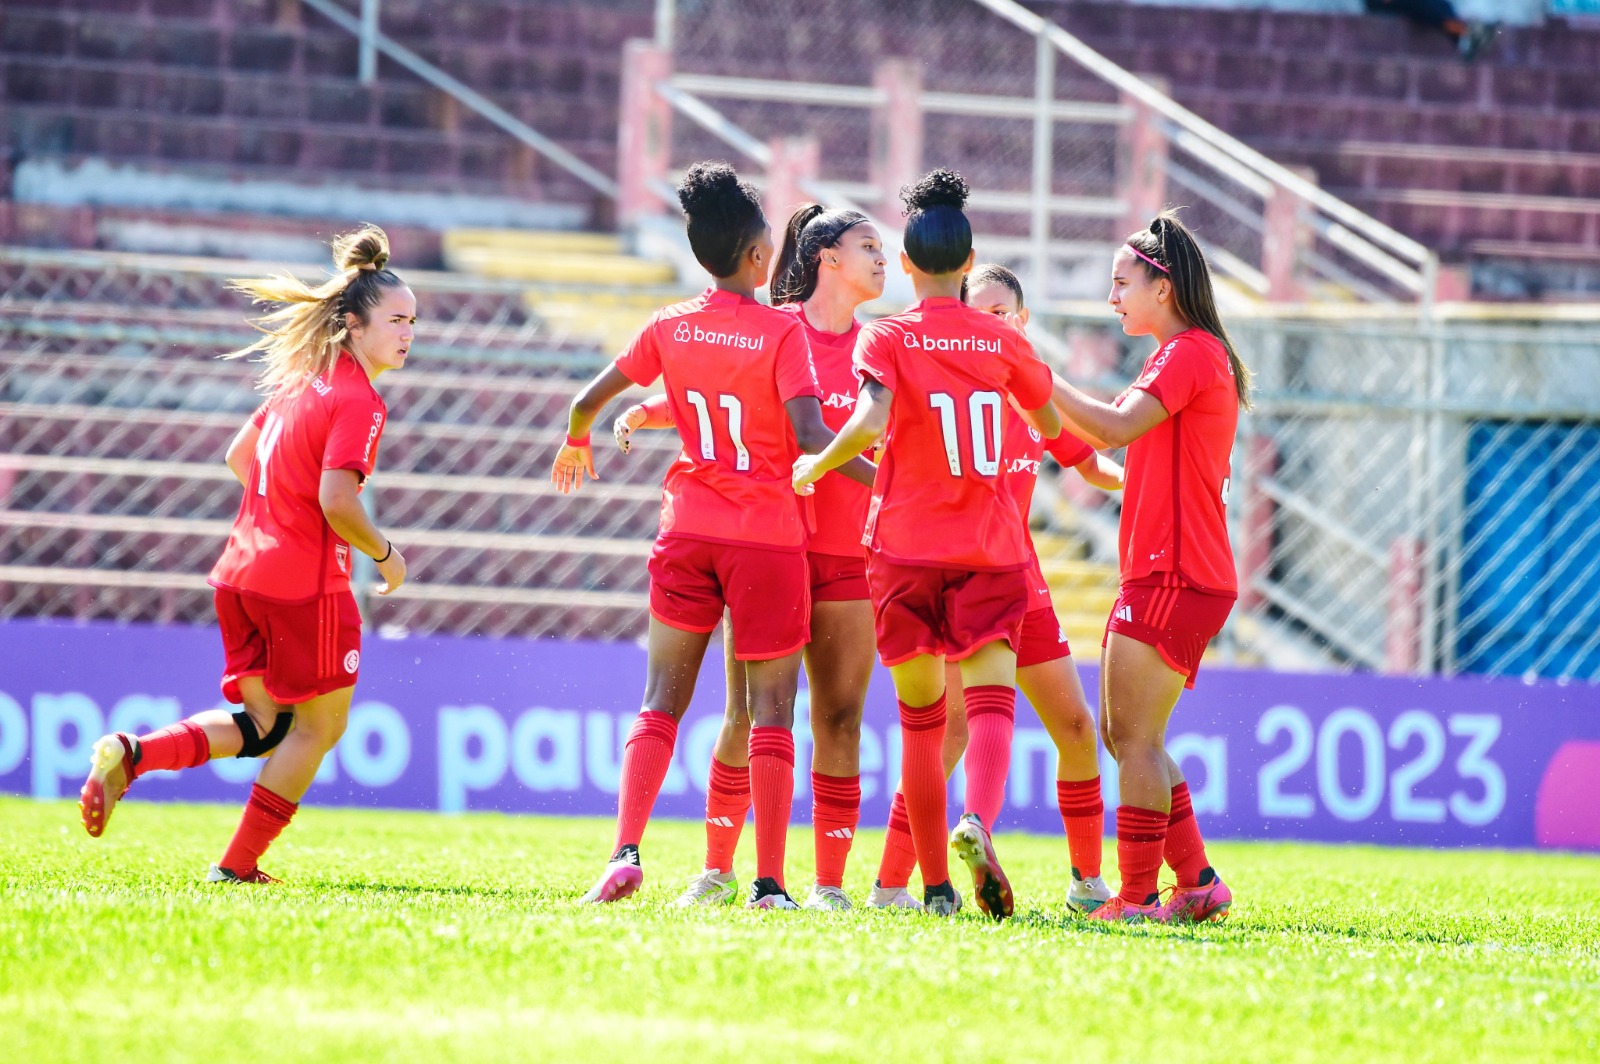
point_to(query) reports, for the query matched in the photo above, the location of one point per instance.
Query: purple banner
(536, 727)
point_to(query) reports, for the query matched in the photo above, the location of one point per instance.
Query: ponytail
(1170, 250)
(811, 229)
(303, 336)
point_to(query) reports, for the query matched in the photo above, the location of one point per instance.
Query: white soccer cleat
(707, 888)
(828, 899)
(1087, 895)
(882, 897)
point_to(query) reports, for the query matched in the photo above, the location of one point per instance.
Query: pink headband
(1147, 258)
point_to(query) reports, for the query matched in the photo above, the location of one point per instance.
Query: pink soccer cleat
(621, 878)
(1209, 901)
(1119, 910)
(972, 844)
(110, 774)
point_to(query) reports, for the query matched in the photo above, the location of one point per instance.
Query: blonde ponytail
(302, 337)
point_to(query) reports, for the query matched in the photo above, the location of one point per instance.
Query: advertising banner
(537, 726)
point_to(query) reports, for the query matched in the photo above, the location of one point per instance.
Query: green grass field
(423, 937)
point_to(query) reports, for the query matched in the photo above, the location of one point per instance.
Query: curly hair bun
(936, 188)
(365, 249)
(707, 187)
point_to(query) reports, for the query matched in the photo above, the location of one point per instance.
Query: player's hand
(393, 570)
(623, 427)
(805, 475)
(570, 466)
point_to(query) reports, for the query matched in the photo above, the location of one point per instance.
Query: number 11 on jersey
(708, 443)
(271, 430)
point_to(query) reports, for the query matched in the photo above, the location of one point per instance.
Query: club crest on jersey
(1034, 435)
(686, 333)
(341, 555)
(923, 342)
(842, 400)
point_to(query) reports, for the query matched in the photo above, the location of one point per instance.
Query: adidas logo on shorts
(1124, 613)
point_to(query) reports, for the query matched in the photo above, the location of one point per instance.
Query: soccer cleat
(828, 899)
(1197, 905)
(1119, 910)
(218, 874)
(882, 897)
(941, 900)
(710, 887)
(110, 775)
(766, 894)
(973, 845)
(1087, 895)
(620, 879)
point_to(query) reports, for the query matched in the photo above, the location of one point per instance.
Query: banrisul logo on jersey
(686, 333)
(924, 342)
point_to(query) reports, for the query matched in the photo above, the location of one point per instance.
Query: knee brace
(256, 744)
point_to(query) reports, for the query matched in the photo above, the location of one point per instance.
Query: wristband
(577, 443)
(387, 543)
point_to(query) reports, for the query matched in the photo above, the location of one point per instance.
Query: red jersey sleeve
(640, 362)
(1178, 374)
(1068, 449)
(259, 418)
(658, 413)
(353, 434)
(796, 375)
(874, 357)
(1031, 383)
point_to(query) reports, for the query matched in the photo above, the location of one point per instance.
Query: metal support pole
(666, 19)
(1044, 90)
(368, 69)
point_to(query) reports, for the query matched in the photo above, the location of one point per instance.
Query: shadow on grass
(1247, 930)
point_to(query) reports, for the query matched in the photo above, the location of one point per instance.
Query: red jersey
(938, 499)
(282, 547)
(1174, 516)
(730, 364)
(840, 504)
(1024, 450)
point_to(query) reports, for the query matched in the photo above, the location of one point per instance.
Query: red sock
(991, 718)
(180, 745)
(1185, 849)
(727, 805)
(1083, 814)
(265, 815)
(922, 780)
(835, 812)
(772, 794)
(1140, 833)
(645, 761)
(899, 852)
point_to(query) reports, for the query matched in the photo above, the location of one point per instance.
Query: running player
(831, 263)
(1178, 584)
(291, 631)
(947, 555)
(742, 393)
(1046, 674)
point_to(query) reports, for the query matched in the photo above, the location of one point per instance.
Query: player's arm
(576, 456)
(867, 422)
(1100, 471)
(339, 495)
(1045, 421)
(243, 449)
(653, 413)
(1103, 425)
(813, 436)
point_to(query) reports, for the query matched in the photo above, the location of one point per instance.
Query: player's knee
(256, 741)
(836, 728)
(1131, 739)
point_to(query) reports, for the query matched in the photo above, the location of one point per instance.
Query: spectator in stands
(1471, 38)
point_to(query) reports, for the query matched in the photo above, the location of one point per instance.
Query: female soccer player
(744, 398)
(948, 558)
(291, 631)
(831, 263)
(1045, 670)
(1178, 585)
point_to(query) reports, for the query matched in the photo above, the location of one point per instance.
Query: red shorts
(1043, 638)
(767, 593)
(921, 609)
(299, 651)
(1177, 621)
(836, 578)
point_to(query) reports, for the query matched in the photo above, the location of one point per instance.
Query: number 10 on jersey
(983, 411)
